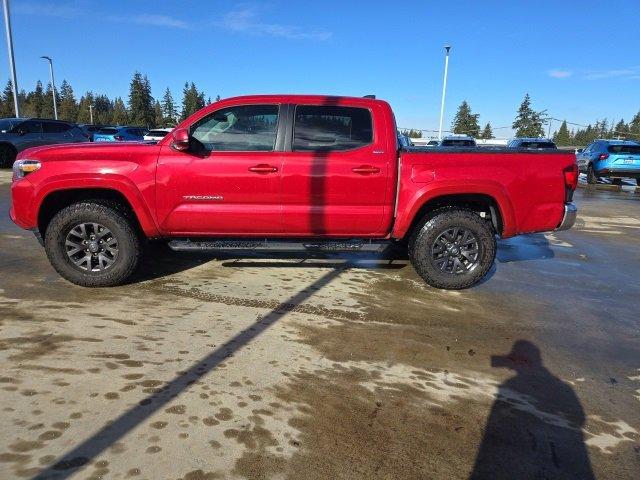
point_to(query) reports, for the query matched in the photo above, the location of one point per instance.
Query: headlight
(21, 168)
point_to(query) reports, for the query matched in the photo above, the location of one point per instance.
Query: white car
(156, 134)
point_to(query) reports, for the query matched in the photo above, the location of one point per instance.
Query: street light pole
(91, 113)
(444, 88)
(12, 62)
(53, 86)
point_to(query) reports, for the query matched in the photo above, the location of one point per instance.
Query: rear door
(335, 172)
(55, 132)
(229, 181)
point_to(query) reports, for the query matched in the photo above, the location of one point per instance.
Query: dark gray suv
(17, 134)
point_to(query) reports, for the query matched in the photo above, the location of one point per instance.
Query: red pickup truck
(287, 172)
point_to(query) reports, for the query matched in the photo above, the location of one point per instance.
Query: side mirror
(180, 139)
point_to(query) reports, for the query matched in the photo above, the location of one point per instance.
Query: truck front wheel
(92, 244)
(453, 249)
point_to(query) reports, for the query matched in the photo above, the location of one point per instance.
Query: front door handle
(365, 169)
(263, 168)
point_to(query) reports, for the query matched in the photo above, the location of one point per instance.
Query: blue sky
(577, 59)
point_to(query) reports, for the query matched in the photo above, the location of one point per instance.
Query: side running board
(279, 245)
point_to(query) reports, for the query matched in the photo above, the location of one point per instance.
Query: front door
(336, 176)
(229, 181)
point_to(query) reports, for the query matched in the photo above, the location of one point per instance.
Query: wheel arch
(484, 204)
(56, 200)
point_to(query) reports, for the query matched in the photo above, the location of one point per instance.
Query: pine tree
(68, 108)
(84, 115)
(634, 127)
(141, 109)
(7, 107)
(158, 119)
(192, 100)
(528, 122)
(621, 129)
(217, 98)
(563, 137)
(466, 122)
(169, 108)
(487, 132)
(34, 105)
(120, 115)
(47, 106)
(103, 110)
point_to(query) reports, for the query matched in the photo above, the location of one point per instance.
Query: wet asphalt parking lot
(210, 367)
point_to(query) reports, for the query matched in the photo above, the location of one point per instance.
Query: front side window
(30, 126)
(242, 128)
(331, 128)
(55, 127)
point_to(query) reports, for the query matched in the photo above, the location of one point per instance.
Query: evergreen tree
(634, 127)
(120, 115)
(192, 100)
(169, 109)
(34, 105)
(621, 129)
(158, 120)
(140, 101)
(563, 137)
(466, 122)
(47, 106)
(102, 110)
(487, 132)
(6, 106)
(217, 98)
(84, 115)
(528, 122)
(68, 108)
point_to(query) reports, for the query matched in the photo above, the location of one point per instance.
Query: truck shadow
(524, 248)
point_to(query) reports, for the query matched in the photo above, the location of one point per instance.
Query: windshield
(458, 143)
(623, 149)
(108, 131)
(537, 145)
(7, 124)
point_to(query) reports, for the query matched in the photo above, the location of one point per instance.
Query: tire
(7, 156)
(638, 181)
(592, 178)
(445, 225)
(616, 181)
(104, 268)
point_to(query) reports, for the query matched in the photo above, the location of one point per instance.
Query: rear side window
(241, 128)
(631, 149)
(331, 128)
(108, 131)
(55, 127)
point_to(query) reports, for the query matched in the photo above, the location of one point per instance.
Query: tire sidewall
(420, 248)
(66, 219)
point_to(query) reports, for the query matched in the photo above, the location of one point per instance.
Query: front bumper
(569, 217)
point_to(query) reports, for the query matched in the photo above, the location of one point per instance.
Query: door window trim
(279, 129)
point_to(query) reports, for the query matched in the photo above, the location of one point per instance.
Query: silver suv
(17, 134)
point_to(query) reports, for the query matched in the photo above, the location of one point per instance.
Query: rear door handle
(263, 168)
(365, 169)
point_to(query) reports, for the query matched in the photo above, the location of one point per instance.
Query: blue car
(119, 134)
(610, 158)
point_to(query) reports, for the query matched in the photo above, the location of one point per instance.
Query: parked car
(460, 141)
(119, 134)
(532, 143)
(156, 134)
(287, 172)
(614, 159)
(89, 129)
(17, 134)
(432, 143)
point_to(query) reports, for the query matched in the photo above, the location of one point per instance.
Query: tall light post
(91, 113)
(12, 62)
(53, 86)
(444, 88)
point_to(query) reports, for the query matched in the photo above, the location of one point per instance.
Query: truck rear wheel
(92, 244)
(453, 249)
